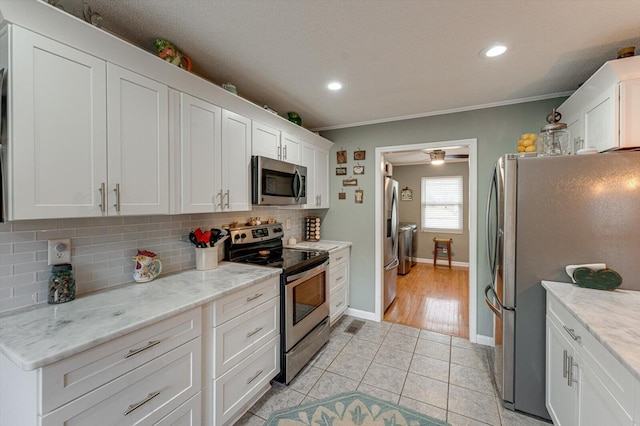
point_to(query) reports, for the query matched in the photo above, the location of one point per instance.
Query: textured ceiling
(396, 58)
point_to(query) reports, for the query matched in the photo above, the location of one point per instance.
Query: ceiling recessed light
(494, 50)
(334, 85)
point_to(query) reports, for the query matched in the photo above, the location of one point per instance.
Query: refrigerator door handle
(496, 310)
(392, 265)
(491, 257)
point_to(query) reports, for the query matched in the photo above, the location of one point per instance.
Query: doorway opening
(448, 303)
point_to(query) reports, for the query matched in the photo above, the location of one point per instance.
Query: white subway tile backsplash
(103, 248)
(14, 259)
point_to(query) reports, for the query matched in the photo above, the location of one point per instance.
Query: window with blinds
(442, 204)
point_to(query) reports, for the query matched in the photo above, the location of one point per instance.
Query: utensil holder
(206, 258)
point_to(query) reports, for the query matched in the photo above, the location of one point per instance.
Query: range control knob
(236, 237)
(243, 236)
(277, 230)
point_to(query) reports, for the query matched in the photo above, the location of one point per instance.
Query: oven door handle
(310, 272)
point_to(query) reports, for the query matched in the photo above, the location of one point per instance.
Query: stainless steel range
(304, 289)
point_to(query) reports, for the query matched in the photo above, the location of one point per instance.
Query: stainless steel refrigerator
(543, 214)
(390, 246)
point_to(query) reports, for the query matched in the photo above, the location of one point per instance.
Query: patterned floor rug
(350, 409)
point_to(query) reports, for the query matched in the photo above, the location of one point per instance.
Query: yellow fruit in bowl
(533, 137)
(521, 148)
(527, 142)
(530, 148)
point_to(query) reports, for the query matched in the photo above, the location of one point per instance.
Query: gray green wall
(496, 129)
(410, 211)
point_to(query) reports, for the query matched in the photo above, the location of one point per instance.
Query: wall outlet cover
(59, 251)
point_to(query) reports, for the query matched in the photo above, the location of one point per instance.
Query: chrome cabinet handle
(339, 304)
(137, 405)
(226, 194)
(280, 153)
(255, 376)
(249, 299)
(572, 333)
(251, 333)
(338, 258)
(284, 152)
(570, 365)
(151, 344)
(103, 195)
(220, 197)
(338, 279)
(117, 191)
(564, 364)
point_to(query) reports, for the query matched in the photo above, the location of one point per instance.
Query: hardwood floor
(433, 298)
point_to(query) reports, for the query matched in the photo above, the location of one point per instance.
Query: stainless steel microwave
(277, 183)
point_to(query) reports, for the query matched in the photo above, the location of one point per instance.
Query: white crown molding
(445, 111)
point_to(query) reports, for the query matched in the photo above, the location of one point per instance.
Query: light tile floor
(442, 376)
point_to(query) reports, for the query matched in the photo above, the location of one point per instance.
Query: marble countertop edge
(44, 334)
(582, 303)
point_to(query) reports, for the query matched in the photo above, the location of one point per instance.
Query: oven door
(277, 182)
(306, 303)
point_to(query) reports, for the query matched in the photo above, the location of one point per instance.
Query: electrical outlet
(59, 251)
(287, 223)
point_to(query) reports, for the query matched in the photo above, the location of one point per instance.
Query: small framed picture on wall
(341, 171)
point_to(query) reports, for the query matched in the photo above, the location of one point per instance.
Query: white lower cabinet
(246, 348)
(135, 379)
(586, 384)
(338, 283)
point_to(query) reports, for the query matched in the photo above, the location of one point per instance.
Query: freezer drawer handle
(393, 265)
(572, 333)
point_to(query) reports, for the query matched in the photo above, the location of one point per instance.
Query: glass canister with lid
(62, 284)
(554, 138)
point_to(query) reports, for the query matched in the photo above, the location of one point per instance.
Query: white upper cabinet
(236, 162)
(200, 141)
(322, 178)
(291, 148)
(266, 141)
(272, 143)
(604, 111)
(63, 104)
(316, 160)
(138, 141)
(57, 146)
(214, 158)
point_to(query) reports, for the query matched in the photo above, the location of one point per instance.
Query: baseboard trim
(361, 314)
(485, 340)
(453, 262)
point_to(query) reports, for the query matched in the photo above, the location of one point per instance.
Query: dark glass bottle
(62, 284)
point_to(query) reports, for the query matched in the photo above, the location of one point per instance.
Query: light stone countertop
(328, 245)
(612, 317)
(44, 334)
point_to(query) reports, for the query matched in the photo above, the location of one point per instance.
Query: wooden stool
(442, 248)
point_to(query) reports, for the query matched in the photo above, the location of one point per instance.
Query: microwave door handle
(3, 131)
(298, 178)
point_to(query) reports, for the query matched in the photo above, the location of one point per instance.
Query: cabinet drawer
(339, 256)
(236, 338)
(338, 275)
(339, 302)
(565, 321)
(74, 376)
(188, 414)
(238, 385)
(140, 397)
(237, 303)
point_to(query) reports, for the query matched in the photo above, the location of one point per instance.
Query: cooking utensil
(221, 240)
